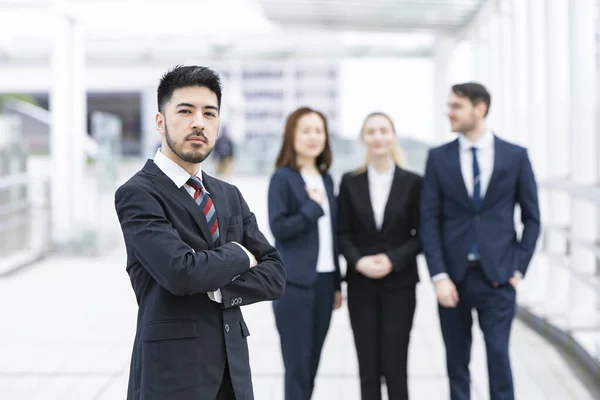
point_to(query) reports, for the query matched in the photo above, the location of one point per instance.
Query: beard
(466, 126)
(193, 156)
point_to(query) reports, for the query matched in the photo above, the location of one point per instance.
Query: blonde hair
(397, 153)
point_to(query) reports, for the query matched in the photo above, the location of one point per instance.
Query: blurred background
(78, 83)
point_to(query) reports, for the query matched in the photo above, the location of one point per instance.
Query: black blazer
(183, 339)
(398, 237)
(293, 218)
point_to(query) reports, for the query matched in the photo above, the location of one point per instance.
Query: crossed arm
(182, 271)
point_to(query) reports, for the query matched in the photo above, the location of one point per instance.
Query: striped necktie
(476, 199)
(203, 200)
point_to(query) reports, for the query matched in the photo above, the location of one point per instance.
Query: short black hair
(475, 92)
(185, 76)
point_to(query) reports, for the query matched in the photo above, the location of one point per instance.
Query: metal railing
(24, 212)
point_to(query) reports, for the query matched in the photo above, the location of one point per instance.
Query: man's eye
(184, 111)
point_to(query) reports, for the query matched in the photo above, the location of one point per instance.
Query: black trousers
(495, 311)
(381, 322)
(226, 390)
(302, 316)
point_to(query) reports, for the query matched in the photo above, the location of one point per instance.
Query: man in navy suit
(475, 259)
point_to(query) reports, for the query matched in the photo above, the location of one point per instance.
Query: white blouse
(325, 262)
(380, 184)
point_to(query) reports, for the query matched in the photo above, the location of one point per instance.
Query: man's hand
(515, 280)
(374, 267)
(337, 300)
(446, 293)
(253, 262)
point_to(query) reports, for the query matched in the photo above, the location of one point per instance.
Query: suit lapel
(362, 183)
(218, 199)
(182, 196)
(455, 173)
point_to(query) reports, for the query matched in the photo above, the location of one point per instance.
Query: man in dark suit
(194, 256)
(470, 190)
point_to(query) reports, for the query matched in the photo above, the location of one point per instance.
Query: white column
(557, 48)
(495, 84)
(478, 44)
(69, 127)
(150, 137)
(520, 108)
(442, 57)
(506, 95)
(584, 148)
(557, 83)
(582, 24)
(538, 123)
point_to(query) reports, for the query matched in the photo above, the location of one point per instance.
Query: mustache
(197, 133)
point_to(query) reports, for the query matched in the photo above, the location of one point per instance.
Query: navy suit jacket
(293, 218)
(183, 339)
(450, 224)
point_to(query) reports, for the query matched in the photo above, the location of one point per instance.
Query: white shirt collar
(174, 171)
(387, 175)
(485, 142)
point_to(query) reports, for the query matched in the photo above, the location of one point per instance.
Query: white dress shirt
(180, 176)
(485, 160)
(325, 261)
(380, 184)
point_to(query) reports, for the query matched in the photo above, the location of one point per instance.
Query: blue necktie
(476, 194)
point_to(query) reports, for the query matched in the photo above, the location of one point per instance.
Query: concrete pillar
(583, 153)
(495, 83)
(442, 53)
(520, 105)
(584, 144)
(69, 129)
(537, 94)
(505, 96)
(557, 84)
(558, 102)
(478, 44)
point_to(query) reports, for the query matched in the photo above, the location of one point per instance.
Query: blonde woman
(378, 217)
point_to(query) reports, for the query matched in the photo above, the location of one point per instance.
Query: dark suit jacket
(293, 218)
(449, 223)
(184, 339)
(398, 238)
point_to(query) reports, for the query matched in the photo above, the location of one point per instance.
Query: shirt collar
(174, 171)
(485, 142)
(389, 174)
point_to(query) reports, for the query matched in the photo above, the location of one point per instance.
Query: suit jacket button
(227, 328)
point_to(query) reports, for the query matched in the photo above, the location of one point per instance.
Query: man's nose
(199, 122)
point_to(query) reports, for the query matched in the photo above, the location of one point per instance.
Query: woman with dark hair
(378, 217)
(302, 218)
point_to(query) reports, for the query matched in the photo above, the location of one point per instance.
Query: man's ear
(481, 108)
(160, 123)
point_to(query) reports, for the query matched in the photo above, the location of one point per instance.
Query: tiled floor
(68, 324)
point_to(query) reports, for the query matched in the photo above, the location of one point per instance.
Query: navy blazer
(183, 339)
(449, 223)
(293, 219)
